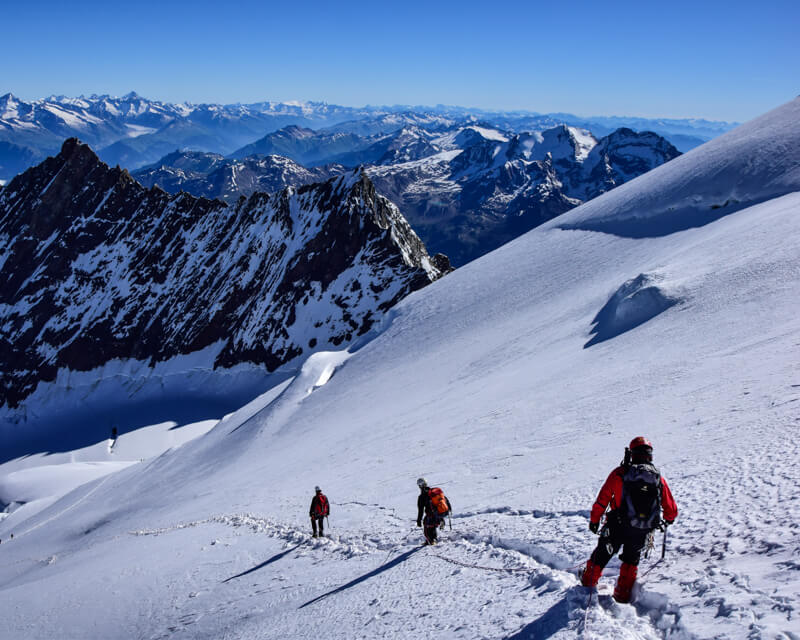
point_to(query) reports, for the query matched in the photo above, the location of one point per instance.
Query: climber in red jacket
(319, 510)
(636, 495)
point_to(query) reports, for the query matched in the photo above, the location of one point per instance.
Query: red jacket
(319, 506)
(611, 493)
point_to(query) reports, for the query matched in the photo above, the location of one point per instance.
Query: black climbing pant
(618, 535)
(431, 526)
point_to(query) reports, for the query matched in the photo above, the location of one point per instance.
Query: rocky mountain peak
(98, 268)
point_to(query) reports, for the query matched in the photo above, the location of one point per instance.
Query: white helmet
(421, 483)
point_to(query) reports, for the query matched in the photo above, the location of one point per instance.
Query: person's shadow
(384, 567)
(274, 558)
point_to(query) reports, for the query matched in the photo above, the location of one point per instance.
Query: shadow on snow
(274, 558)
(384, 567)
(548, 624)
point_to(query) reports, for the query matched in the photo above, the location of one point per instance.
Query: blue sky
(722, 61)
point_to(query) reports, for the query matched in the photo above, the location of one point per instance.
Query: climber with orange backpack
(435, 506)
(636, 495)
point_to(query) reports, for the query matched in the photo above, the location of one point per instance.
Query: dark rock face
(96, 267)
(620, 157)
(211, 175)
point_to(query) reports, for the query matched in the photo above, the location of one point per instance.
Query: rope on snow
(482, 568)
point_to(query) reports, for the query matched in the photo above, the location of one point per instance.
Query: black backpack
(641, 496)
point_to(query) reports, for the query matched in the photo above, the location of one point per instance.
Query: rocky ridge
(211, 175)
(96, 267)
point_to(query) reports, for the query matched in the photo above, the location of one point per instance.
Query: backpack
(438, 501)
(321, 508)
(641, 496)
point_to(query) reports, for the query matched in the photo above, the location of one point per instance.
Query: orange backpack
(438, 501)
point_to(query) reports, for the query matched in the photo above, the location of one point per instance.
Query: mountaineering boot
(627, 576)
(591, 574)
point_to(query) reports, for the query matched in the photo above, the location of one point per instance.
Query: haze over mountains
(133, 131)
(665, 307)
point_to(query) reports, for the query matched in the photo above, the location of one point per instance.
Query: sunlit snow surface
(486, 384)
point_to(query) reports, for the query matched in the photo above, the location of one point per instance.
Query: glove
(594, 526)
(668, 522)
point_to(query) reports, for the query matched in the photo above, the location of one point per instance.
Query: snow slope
(485, 383)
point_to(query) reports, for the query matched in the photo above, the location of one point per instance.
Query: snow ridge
(757, 162)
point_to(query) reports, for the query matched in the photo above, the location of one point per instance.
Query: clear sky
(718, 60)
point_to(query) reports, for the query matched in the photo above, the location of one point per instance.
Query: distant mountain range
(211, 175)
(465, 189)
(97, 268)
(466, 203)
(132, 131)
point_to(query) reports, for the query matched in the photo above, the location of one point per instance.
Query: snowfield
(514, 383)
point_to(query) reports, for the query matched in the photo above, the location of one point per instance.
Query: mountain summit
(98, 268)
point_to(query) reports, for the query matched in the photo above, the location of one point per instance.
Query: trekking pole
(664, 541)
(450, 521)
(328, 520)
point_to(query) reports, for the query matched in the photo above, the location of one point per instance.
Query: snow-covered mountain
(485, 383)
(315, 148)
(390, 122)
(99, 270)
(211, 175)
(42, 125)
(133, 131)
(487, 187)
(306, 146)
(467, 189)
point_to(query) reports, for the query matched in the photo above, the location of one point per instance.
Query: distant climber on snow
(320, 509)
(636, 495)
(435, 506)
